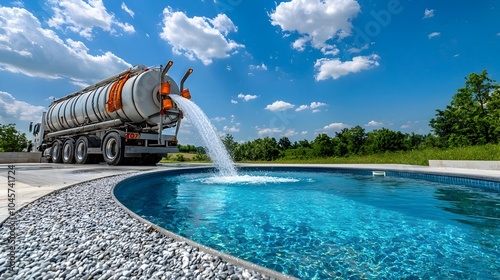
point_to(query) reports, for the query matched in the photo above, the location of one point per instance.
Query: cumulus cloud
(290, 133)
(258, 67)
(335, 126)
(428, 13)
(231, 129)
(302, 108)
(279, 106)
(304, 132)
(434, 34)
(219, 119)
(374, 123)
(206, 38)
(264, 131)
(12, 109)
(234, 101)
(246, 97)
(316, 21)
(127, 10)
(314, 105)
(334, 68)
(29, 49)
(83, 16)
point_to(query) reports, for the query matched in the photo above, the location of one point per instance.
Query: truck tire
(56, 151)
(112, 149)
(68, 151)
(81, 151)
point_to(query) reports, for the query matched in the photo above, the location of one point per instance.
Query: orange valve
(186, 94)
(165, 88)
(167, 104)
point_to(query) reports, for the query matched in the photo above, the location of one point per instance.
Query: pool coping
(457, 173)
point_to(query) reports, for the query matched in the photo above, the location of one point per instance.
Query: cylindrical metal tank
(140, 103)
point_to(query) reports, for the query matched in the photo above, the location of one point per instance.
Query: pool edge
(206, 249)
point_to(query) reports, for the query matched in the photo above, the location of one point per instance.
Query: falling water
(216, 150)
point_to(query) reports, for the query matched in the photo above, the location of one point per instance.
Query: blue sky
(292, 68)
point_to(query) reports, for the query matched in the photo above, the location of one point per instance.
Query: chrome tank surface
(140, 104)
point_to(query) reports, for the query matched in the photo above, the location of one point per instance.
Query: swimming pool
(329, 223)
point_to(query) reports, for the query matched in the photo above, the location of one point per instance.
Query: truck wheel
(55, 151)
(68, 151)
(81, 152)
(112, 149)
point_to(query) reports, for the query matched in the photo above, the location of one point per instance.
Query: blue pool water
(325, 225)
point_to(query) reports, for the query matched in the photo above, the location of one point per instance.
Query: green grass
(416, 157)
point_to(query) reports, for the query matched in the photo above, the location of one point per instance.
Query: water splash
(246, 180)
(216, 150)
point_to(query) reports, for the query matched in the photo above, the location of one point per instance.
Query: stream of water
(215, 149)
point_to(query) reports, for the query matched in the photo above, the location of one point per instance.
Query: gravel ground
(80, 233)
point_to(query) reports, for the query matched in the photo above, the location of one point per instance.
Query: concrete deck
(34, 180)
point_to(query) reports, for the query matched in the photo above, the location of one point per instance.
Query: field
(415, 157)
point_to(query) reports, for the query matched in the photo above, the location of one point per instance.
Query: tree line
(472, 118)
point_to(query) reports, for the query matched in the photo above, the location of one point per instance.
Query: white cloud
(304, 132)
(246, 97)
(231, 129)
(374, 123)
(198, 37)
(228, 68)
(258, 67)
(290, 133)
(334, 68)
(315, 105)
(405, 126)
(302, 108)
(219, 119)
(27, 48)
(428, 13)
(335, 126)
(358, 50)
(317, 21)
(269, 131)
(234, 101)
(279, 106)
(456, 55)
(127, 10)
(12, 109)
(83, 16)
(434, 34)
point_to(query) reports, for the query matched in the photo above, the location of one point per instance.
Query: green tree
(230, 144)
(383, 140)
(322, 145)
(11, 140)
(284, 143)
(472, 116)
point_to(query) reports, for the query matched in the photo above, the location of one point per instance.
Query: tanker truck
(119, 120)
